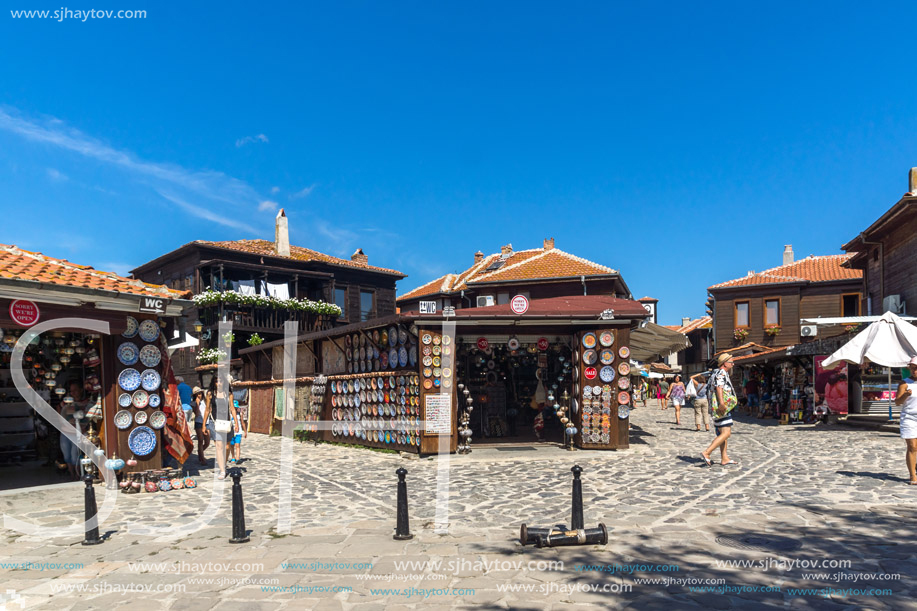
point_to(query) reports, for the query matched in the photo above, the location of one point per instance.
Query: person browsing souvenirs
(722, 398)
(908, 422)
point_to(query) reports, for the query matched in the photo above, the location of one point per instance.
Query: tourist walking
(722, 398)
(677, 395)
(663, 393)
(701, 405)
(203, 433)
(908, 421)
(219, 433)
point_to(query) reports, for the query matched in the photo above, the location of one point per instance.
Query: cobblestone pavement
(829, 495)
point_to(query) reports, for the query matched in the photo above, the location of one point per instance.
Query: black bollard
(576, 521)
(582, 536)
(402, 528)
(238, 510)
(530, 535)
(91, 512)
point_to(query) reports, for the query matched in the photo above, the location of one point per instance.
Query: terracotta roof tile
(697, 323)
(18, 264)
(266, 248)
(811, 269)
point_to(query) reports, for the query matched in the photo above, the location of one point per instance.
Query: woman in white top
(908, 402)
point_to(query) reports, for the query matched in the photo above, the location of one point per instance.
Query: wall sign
(24, 313)
(520, 304)
(590, 373)
(437, 414)
(483, 344)
(543, 344)
(153, 305)
(428, 307)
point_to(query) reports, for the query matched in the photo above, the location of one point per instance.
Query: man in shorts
(720, 394)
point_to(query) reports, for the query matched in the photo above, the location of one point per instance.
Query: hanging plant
(852, 328)
(773, 330)
(210, 298)
(229, 338)
(255, 340)
(209, 356)
(739, 333)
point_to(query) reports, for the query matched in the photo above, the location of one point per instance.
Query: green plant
(209, 356)
(229, 338)
(773, 330)
(210, 297)
(255, 340)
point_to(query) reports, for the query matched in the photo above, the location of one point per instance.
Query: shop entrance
(515, 384)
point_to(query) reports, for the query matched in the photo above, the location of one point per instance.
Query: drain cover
(516, 449)
(759, 543)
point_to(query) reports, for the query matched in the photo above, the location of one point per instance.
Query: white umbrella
(890, 341)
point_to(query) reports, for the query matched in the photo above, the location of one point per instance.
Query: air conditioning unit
(893, 303)
(808, 330)
(485, 300)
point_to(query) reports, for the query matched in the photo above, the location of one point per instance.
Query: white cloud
(208, 215)
(267, 206)
(275, 190)
(303, 193)
(56, 175)
(249, 139)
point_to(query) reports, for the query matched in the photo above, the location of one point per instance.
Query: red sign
(520, 304)
(483, 343)
(590, 373)
(24, 313)
(543, 344)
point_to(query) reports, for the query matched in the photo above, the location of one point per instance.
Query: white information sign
(438, 414)
(428, 307)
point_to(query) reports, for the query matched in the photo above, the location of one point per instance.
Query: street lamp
(198, 325)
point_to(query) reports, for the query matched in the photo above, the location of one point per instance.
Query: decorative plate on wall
(624, 352)
(128, 353)
(140, 417)
(142, 441)
(607, 373)
(123, 419)
(607, 338)
(129, 380)
(140, 399)
(149, 330)
(150, 355)
(589, 340)
(590, 357)
(132, 327)
(150, 380)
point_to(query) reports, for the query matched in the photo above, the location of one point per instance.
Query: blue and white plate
(393, 358)
(392, 336)
(142, 441)
(129, 380)
(128, 353)
(623, 412)
(412, 356)
(149, 330)
(155, 400)
(150, 380)
(132, 327)
(402, 336)
(607, 373)
(150, 356)
(123, 419)
(124, 400)
(403, 356)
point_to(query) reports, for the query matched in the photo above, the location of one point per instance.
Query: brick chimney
(281, 235)
(478, 257)
(506, 250)
(359, 257)
(787, 254)
(549, 243)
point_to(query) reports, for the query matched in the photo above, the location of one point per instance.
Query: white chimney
(787, 254)
(685, 321)
(281, 235)
(912, 182)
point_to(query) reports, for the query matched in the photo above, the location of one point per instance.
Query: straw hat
(196, 389)
(723, 359)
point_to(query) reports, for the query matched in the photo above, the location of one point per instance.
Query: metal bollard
(91, 512)
(576, 520)
(530, 535)
(238, 510)
(402, 528)
(581, 536)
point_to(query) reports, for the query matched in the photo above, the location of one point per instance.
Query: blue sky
(681, 143)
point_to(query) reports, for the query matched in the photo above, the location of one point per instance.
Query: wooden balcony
(264, 320)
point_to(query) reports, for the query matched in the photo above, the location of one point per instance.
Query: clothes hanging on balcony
(246, 287)
(280, 291)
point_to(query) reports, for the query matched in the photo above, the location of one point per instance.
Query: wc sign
(153, 305)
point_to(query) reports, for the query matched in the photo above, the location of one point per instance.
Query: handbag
(222, 426)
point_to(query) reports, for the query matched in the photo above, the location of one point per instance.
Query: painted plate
(403, 356)
(128, 353)
(624, 369)
(150, 355)
(590, 357)
(142, 441)
(412, 356)
(447, 372)
(392, 336)
(607, 338)
(607, 356)
(124, 400)
(437, 361)
(607, 373)
(589, 340)
(623, 412)
(596, 390)
(513, 343)
(132, 327)
(150, 380)
(123, 419)
(437, 372)
(623, 383)
(393, 358)
(402, 336)
(428, 384)
(623, 398)
(149, 330)
(140, 399)
(129, 380)
(140, 417)
(383, 360)
(427, 351)
(624, 352)
(437, 350)
(427, 372)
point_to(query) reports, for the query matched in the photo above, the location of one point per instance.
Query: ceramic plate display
(437, 350)
(150, 355)
(590, 357)
(140, 399)
(402, 336)
(596, 390)
(124, 400)
(132, 327)
(437, 340)
(513, 343)
(155, 401)
(623, 383)
(393, 358)
(607, 338)
(623, 398)
(624, 369)
(428, 384)
(150, 380)
(624, 352)
(129, 380)
(140, 417)
(607, 373)
(142, 441)
(392, 336)
(403, 356)
(623, 412)
(589, 340)
(128, 353)
(123, 419)
(412, 356)
(427, 372)
(607, 356)
(149, 330)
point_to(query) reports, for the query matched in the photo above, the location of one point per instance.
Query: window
(340, 300)
(740, 317)
(366, 305)
(772, 312)
(850, 304)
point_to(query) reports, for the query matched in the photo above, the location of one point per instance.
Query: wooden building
(766, 308)
(694, 358)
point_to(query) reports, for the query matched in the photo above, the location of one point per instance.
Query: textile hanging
(176, 438)
(278, 403)
(247, 287)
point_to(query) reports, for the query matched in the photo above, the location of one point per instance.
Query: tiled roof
(752, 346)
(532, 264)
(266, 248)
(811, 269)
(576, 306)
(18, 264)
(756, 355)
(698, 323)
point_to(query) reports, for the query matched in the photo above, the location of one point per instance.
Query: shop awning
(768, 356)
(654, 342)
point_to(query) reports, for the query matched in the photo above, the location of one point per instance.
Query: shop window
(367, 299)
(740, 316)
(850, 304)
(502, 298)
(771, 312)
(340, 300)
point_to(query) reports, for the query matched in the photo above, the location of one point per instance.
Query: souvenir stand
(603, 388)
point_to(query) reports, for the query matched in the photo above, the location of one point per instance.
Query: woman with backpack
(722, 398)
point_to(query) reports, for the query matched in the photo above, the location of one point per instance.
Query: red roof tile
(703, 322)
(266, 248)
(811, 269)
(18, 264)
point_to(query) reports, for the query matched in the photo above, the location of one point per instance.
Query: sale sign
(590, 373)
(483, 343)
(24, 313)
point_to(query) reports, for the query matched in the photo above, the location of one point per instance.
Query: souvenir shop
(553, 374)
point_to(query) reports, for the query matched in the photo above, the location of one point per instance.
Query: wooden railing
(270, 320)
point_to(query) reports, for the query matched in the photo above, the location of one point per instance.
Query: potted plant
(255, 340)
(773, 330)
(740, 333)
